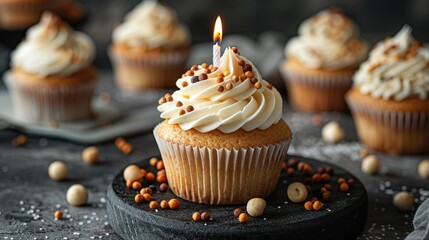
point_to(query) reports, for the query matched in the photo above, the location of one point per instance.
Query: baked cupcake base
(203, 171)
(316, 90)
(50, 99)
(398, 127)
(136, 70)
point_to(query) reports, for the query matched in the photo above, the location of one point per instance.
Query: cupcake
(223, 140)
(389, 99)
(150, 48)
(320, 61)
(51, 77)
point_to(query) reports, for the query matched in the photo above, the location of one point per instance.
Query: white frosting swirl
(397, 68)
(52, 48)
(152, 25)
(327, 40)
(244, 106)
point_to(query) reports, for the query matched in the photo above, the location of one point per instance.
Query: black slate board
(342, 218)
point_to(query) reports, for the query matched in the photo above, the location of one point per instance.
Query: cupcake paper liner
(316, 92)
(391, 131)
(148, 72)
(49, 104)
(222, 176)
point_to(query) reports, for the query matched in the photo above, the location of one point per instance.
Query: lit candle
(217, 38)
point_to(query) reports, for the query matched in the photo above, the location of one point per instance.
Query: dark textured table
(28, 198)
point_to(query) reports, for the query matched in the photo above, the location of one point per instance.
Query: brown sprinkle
(237, 212)
(242, 77)
(350, 182)
(269, 86)
(153, 161)
(253, 80)
(292, 162)
(170, 98)
(160, 165)
(330, 170)
(129, 183)
(241, 62)
(228, 86)
(184, 84)
(162, 100)
(284, 166)
(325, 177)
(181, 112)
(150, 177)
(344, 187)
(146, 190)
(243, 218)
(189, 108)
(164, 204)
(258, 85)
(203, 76)
(219, 79)
(163, 187)
(153, 204)
(204, 65)
(211, 66)
(179, 104)
(248, 74)
(317, 205)
(190, 73)
(308, 206)
(234, 49)
(138, 198)
(316, 177)
(235, 78)
(341, 180)
(205, 216)
(196, 216)
(195, 79)
(18, 141)
(247, 67)
(147, 197)
(220, 88)
(208, 71)
(58, 215)
(162, 178)
(137, 185)
(194, 67)
(173, 204)
(290, 171)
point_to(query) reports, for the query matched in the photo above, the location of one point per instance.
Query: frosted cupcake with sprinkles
(389, 99)
(223, 139)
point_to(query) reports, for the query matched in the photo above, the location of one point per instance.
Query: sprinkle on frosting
(328, 40)
(397, 68)
(225, 98)
(152, 25)
(52, 48)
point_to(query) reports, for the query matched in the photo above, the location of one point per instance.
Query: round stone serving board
(342, 218)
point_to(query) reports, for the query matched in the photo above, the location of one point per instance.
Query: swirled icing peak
(152, 25)
(226, 98)
(52, 48)
(397, 68)
(328, 40)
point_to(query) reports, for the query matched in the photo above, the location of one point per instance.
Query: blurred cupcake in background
(20, 14)
(150, 48)
(320, 61)
(51, 77)
(389, 99)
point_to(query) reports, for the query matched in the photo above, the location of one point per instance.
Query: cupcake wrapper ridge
(47, 105)
(391, 131)
(147, 72)
(314, 93)
(222, 176)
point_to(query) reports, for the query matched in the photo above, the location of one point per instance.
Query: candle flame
(217, 32)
